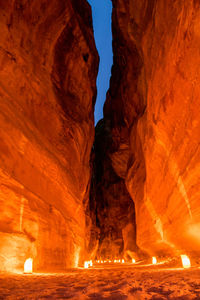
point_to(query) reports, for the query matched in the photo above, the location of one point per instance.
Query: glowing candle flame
(91, 263)
(115, 261)
(86, 264)
(133, 260)
(101, 261)
(98, 261)
(154, 260)
(123, 261)
(185, 261)
(28, 266)
(119, 260)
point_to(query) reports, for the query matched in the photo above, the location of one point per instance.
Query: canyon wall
(48, 68)
(153, 110)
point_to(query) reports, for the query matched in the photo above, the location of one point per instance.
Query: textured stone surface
(48, 68)
(153, 107)
(109, 198)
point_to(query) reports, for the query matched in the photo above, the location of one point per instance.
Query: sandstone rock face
(153, 107)
(48, 68)
(109, 198)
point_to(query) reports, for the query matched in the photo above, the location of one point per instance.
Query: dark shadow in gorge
(112, 206)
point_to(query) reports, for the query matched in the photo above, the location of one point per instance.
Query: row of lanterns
(184, 258)
(28, 265)
(110, 261)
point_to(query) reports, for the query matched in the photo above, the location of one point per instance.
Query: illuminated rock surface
(153, 109)
(111, 283)
(48, 68)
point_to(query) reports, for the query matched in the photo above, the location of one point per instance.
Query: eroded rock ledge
(48, 68)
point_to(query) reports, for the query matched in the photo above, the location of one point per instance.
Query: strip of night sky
(101, 13)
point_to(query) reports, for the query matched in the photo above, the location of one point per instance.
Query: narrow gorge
(125, 189)
(147, 145)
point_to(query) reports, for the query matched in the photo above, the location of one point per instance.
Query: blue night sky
(101, 12)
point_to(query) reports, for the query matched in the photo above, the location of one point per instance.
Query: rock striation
(153, 109)
(48, 68)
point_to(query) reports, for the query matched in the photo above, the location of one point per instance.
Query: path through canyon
(107, 282)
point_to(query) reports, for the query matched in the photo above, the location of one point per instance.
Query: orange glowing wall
(46, 109)
(156, 104)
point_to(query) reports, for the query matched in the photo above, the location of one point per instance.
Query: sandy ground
(105, 282)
